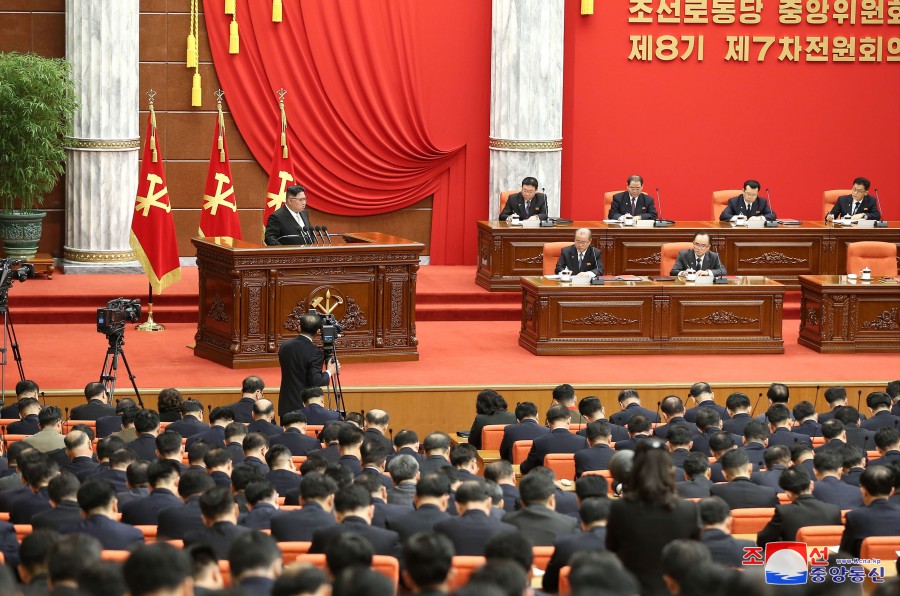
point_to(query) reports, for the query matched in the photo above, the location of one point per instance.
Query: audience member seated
(802, 456)
(294, 436)
(158, 569)
(756, 438)
(828, 487)
(887, 442)
(97, 499)
(594, 513)
(383, 510)
(806, 419)
(598, 455)
(406, 442)
(502, 474)
(69, 556)
(281, 470)
(168, 404)
(255, 446)
(263, 414)
(219, 418)
(716, 519)
(879, 404)
(638, 430)
(107, 425)
(361, 580)
(191, 422)
(879, 517)
(527, 428)
(178, 520)
(538, 520)
(196, 455)
(427, 559)
(354, 511)
(437, 453)
(404, 471)
(317, 497)
(708, 423)
(804, 510)
(25, 389)
(853, 462)
(262, 502)
(560, 439)
(490, 408)
(146, 425)
(219, 466)
(163, 476)
(697, 485)
(255, 562)
(777, 393)
(34, 554)
(737, 406)
(630, 404)
(97, 405)
(893, 391)
(251, 390)
(332, 450)
(29, 408)
(780, 433)
(234, 441)
(679, 440)
(373, 455)
(49, 438)
(836, 398)
(35, 499)
(79, 452)
(834, 434)
(856, 435)
(377, 428)
(474, 525)
(702, 395)
(207, 576)
(680, 559)
(241, 476)
(217, 506)
(10, 479)
(170, 448)
(127, 431)
(350, 440)
(314, 407)
(591, 409)
(592, 570)
(63, 493)
(464, 457)
(137, 483)
(777, 460)
(740, 492)
(564, 395)
(105, 448)
(672, 409)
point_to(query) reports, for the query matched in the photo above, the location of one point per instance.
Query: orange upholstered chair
(880, 547)
(565, 588)
(542, 556)
(830, 197)
(520, 450)
(225, 570)
(462, 568)
(720, 201)
(562, 464)
(22, 530)
(68, 424)
(313, 430)
(316, 560)
(880, 257)
(783, 499)
(291, 550)
(149, 533)
(607, 202)
(752, 520)
(387, 566)
(610, 490)
(668, 254)
(492, 436)
(118, 556)
(820, 535)
(552, 251)
(504, 196)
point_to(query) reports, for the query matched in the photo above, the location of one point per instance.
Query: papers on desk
(555, 276)
(628, 278)
(789, 222)
(611, 221)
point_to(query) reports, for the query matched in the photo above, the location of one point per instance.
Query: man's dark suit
(108, 425)
(736, 424)
(384, 542)
(283, 480)
(852, 477)
(632, 443)
(127, 496)
(688, 260)
(81, 467)
(331, 453)
(662, 431)
(616, 432)
(565, 547)
(805, 511)
(188, 426)
(316, 414)
(67, 513)
(622, 417)
(592, 261)
(831, 490)
(844, 206)
(694, 488)
(738, 206)
(93, 410)
(595, 458)
(265, 427)
(527, 430)
(243, 409)
(259, 518)
(886, 459)
(144, 446)
(282, 223)
(810, 428)
(883, 419)
(742, 494)
(175, 522)
(560, 440)
(385, 511)
(299, 443)
(470, 531)
(756, 453)
(373, 434)
(146, 511)
(621, 205)
(832, 445)
(218, 537)
(724, 548)
(351, 462)
(678, 456)
(701, 441)
(881, 518)
(376, 473)
(422, 519)
(288, 526)
(432, 463)
(516, 204)
(118, 478)
(10, 411)
(301, 367)
(511, 497)
(691, 413)
(541, 525)
(28, 505)
(769, 477)
(826, 416)
(215, 436)
(112, 535)
(862, 438)
(28, 425)
(257, 463)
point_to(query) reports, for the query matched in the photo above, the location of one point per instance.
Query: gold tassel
(191, 61)
(276, 11)
(229, 6)
(587, 7)
(153, 132)
(234, 42)
(284, 146)
(221, 139)
(196, 97)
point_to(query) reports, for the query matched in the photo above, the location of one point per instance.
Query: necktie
(855, 207)
(527, 205)
(747, 206)
(699, 263)
(580, 259)
(633, 205)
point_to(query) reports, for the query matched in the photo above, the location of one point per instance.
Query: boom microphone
(323, 235)
(815, 402)
(327, 235)
(759, 397)
(773, 223)
(659, 223)
(879, 223)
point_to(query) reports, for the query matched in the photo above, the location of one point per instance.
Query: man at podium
(286, 223)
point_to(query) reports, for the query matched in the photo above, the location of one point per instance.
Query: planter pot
(20, 232)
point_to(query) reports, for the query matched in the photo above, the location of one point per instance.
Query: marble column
(526, 97)
(101, 177)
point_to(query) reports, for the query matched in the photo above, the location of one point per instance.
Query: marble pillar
(101, 177)
(526, 97)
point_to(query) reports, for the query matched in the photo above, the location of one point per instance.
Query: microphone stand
(661, 223)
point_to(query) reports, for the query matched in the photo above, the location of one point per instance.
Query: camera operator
(301, 365)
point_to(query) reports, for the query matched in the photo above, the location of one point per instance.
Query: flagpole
(149, 325)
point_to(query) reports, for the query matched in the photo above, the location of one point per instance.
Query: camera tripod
(334, 381)
(111, 366)
(9, 336)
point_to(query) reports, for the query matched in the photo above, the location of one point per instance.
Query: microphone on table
(327, 235)
(658, 405)
(759, 397)
(312, 232)
(660, 222)
(879, 223)
(317, 233)
(66, 419)
(815, 402)
(773, 223)
(323, 235)
(858, 398)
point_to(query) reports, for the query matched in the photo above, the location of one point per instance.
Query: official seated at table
(749, 204)
(699, 259)
(289, 219)
(632, 202)
(859, 204)
(581, 258)
(527, 202)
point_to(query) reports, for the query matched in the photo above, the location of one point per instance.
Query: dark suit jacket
(259, 518)
(384, 479)
(258, 464)
(736, 424)
(316, 414)
(351, 462)
(144, 446)
(112, 535)
(516, 204)
(826, 416)
(10, 411)
(883, 419)
(92, 410)
(432, 463)
(805, 511)
(470, 531)
(810, 428)
(844, 206)
(688, 260)
(384, 542)
(373, 434)
(691, 413)
(595, 458)
(331, 453)
(560, 440)
(176, 521)
(67, 513)
(541, 525)
(146, 511)
(289, 526)
(9, 545)
(742, 494)
(243, 409)
(482, 420)
(565, 547)
(693, 488)
(422, 519)
(621, 205)
(265, 427)
(769, 477)
(511, 497)
(299, 443)
(188, 426)
(724, 548)
(385, 511)
(622, 417)
(282, 223)
(218, 537)
(756, 453)
(283, 480)
(832, 490)
(617, 433)
(301, 367)
(632, 443)
(108, 425)
(662, 431)
(215, 436)
(81, 467)
(881, 518)
(28, 505)
(593, 260)
(26, 426)
(862, 438)
(527, 430)
(737, 206)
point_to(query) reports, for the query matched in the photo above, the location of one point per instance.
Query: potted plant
(37, 104)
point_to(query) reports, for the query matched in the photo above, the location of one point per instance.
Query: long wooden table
(649, 317)
(840, 316)
(814, 248)
(251, 297)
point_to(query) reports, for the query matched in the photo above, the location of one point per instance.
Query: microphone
(321, 231)
(658, 405)
(307, 235)
(773, 223)
(879, 223)
(759, 397)
(858, 398)
(315, 233)
(67, 413)
(660, 222)
(327, 235)
(815, 402)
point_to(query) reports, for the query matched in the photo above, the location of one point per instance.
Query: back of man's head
(436, 442)
(695, 464)
(427, 558)
(708, 418)
(403, 468)
(698, 389)
(235, 432)
(63, 487)
(777, 455)
(877, 480)
(671, 405)
(221, 416)
(887, 438)
(827, 461)
(600, 572)
(795, 480)
(735, 461)
(590, 406)
(756, 432)
(835, 394)
(168, 443)
(374, 453)
(679, 557)
(193, 483)
(628, 394)
(503, 573)
(350, 436)
(803, 410)
(405, 438)
(832, 429)
(564, 394)
(253, 553)
(679, 437)
(737, 402)
(70, 555)
(316, 487)
(593, 510)
(591, 485)
(217, 503)
(713, 511)
(462, 454)
(471, 491)
(95, 493)
(146, 421)
(778, 393)
(49, 416)
(526, 409)
(352, 498)
(510, 545)
(156, 568)
(558, 414)
(536, 489)
(311, 393)
(778, 414)
(638, 424)
(162, 471)
(35, 551)
(434, 485)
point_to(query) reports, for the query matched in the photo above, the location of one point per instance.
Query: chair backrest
(880, 257)
(783, 499)
(149, 533)
(565, 588)
(562, 464)
(752, 520)
(225, 570)
(880, 547)
(297, 460)
(720, 201)
(462, 568)
(291, 550)
(542, 556)
(313, 430)
(668, 254)
(22, 530)
(820, 535)
(520, 450)
(504, 196)
(607, 201)
(551, 256)
(68, 424)
(316, 560)
(610, 489)
(817, 441)
(830, 197)
(387, 566)
(118, 556)
(492, 436)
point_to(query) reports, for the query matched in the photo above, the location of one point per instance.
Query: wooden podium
(252, 297)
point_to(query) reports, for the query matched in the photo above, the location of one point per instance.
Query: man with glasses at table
(526, 203)
(859, 204)
(632, 202)
(289, 219)
(699, 259)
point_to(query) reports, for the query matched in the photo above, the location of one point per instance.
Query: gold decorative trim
(511, 144)
(86, 256)
(74, 143)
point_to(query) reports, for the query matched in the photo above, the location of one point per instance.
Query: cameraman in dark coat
(301, 365)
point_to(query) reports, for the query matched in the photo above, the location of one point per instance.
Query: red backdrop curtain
(355, 126)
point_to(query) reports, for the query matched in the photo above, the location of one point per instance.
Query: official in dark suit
(314, 409)
(879, 517)
(599, 454)
(673, 409)
(716, 536)
(859, 204)
(630, 404)
(219, 512)
(699, 258)
(703, 396)
(527, 429)
(291, 219)
(474, 526)
(581, 257)
(880, 405)
(97, 499)
(804, 510)
(97, 405)
(293, 436)
(829, 488)
(176, 521)
(219, 418)
(738, 406)
(632, 202)
(317, 494)
(301, 365)
(432, 498)
(560, 439)
(594, 512)
(191, 422)
(163, 475)
(537, 520)
(696, 468)
(261, 500)
(28, 425)
(740, 492)
(527, 202)
(24, 389)
(749, 204)
(63, 493)
(778, 459)
(354, 510)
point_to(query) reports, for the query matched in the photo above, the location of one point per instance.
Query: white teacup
(628, 221)
(513, 220)
(691, 277)
(741, 220)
